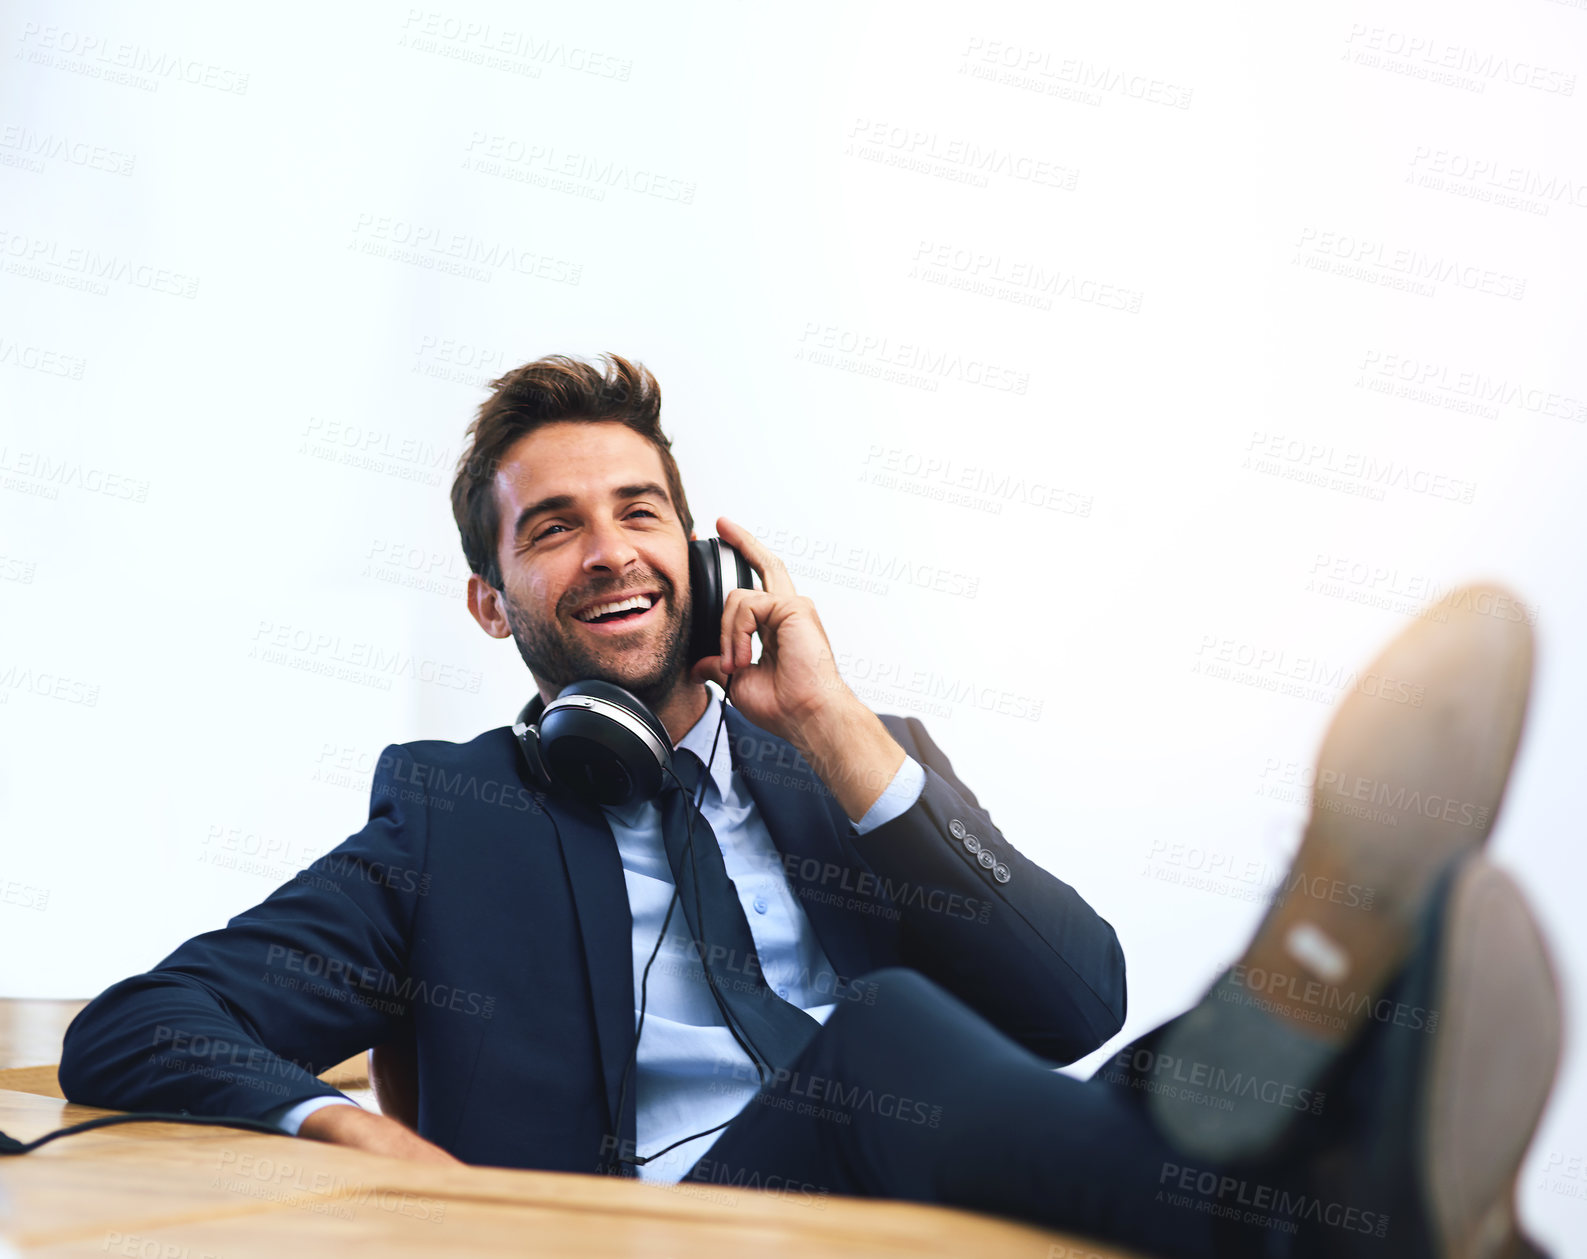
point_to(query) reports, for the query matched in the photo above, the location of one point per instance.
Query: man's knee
(883, 993)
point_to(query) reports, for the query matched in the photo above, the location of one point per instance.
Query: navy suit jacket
(488, 923)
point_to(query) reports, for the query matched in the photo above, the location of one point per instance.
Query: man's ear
(486, 605)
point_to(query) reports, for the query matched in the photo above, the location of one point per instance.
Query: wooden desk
(178, 1191)
(174, 1191)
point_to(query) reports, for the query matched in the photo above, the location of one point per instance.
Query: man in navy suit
(500, 937)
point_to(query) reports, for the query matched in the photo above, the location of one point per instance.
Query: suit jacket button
(1000, 872)
(972, 844)
(956, 828)
(986, 858)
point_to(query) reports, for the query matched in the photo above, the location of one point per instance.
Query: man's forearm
(378, 1134)
(851, 751)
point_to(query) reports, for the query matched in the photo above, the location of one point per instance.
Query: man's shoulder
(489, 745)
(488, 768)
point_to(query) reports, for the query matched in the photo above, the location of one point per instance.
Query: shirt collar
(698, 740)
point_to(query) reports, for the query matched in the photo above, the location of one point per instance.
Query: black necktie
(777, 1029)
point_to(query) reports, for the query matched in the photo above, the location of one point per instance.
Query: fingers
(709, 669)
(773, 572)
(751, 612)
(744, 614)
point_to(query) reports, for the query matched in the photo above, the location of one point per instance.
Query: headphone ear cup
(705, 601)
(627, 699)
(524, 730)
(748, 578)
(603, 744)
(715, 567)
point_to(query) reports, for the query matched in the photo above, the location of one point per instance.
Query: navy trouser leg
(916, 1096)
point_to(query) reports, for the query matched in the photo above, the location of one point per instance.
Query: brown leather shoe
(1409, 778)
(1493, 1064)
(1435, 1121)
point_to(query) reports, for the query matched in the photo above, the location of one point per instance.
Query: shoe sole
(1494, 1059)
(1410, 777)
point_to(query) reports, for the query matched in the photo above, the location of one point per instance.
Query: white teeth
(622, 605)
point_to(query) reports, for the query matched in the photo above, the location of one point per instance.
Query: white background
(240, 433)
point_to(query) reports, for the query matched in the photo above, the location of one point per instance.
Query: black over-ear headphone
(600, 741)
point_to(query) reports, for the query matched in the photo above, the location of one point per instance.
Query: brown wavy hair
(550, 390)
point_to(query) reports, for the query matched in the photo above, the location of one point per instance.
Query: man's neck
(685, 706)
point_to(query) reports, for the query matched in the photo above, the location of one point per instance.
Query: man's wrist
(328, 1122)
(291, 1117)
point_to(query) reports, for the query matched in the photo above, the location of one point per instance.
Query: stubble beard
(557, 656)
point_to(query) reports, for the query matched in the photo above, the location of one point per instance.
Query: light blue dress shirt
(690, 1073)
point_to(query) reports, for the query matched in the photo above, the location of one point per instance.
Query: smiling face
(594, 561)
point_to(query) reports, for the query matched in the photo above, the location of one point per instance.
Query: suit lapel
(600, 898)
(804, 821)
